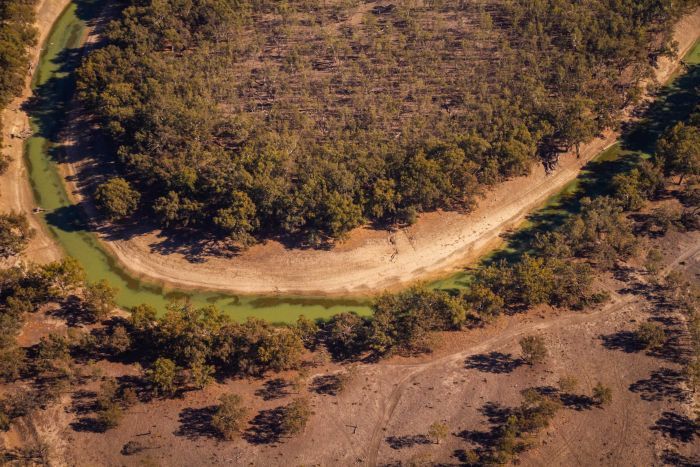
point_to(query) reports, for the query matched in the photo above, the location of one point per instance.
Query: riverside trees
(256, 120)
(17, 35)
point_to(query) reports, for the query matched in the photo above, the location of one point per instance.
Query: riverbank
(370, 261)
(15, 190)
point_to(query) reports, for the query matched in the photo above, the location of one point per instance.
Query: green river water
(53, 84)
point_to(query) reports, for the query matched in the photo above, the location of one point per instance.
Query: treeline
(17, 34)
(248, 119)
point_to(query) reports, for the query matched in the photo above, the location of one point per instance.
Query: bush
(116, 199)
(534, 349)
(651, 335)
(602, 395)
(230, 416)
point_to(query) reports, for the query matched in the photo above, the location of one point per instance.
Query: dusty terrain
(370, 260)
(383, 415)
(15, 191)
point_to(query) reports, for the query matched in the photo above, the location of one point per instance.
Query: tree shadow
(408, 441)
(274, 389)
(196, 423)
(266, 427)
(577, 402)
(663, 383)
(670, 457)
(329, 385)
(678, 427)
(626, 341)
(494, 362)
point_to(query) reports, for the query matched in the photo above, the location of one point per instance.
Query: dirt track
(369, 261)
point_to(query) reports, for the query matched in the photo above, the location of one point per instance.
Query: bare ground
(469, 382)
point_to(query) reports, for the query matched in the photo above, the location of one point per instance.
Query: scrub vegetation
(250, 119)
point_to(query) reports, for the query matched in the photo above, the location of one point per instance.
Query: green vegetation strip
(55, 81)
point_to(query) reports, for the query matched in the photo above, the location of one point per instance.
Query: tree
(602, 395)
(201, 374)
(653, 261)
(345, 334)
(65, 276)
(679, 148)
(116, 199)
(651, 335)
(109, 412)
(162, 376)
(119, 340)
(15, 234)
(110, 416)
(296, 416)
(438, 431)
(230, 416)
(100, 298)
(308, 331)
(534, 349)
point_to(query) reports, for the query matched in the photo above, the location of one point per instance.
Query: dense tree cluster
(311, 118)
(17, 34)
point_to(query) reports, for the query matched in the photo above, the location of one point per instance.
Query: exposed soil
(471, 379)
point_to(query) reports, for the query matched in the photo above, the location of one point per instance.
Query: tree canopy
(253, 119)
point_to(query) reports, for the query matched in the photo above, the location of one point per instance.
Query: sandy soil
(15, 191)
(371, 260)
(383, 415)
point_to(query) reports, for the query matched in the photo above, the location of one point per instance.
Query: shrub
(534, 349)
(296, 416)
(230, 416)
(116, 199)
(602, 395)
